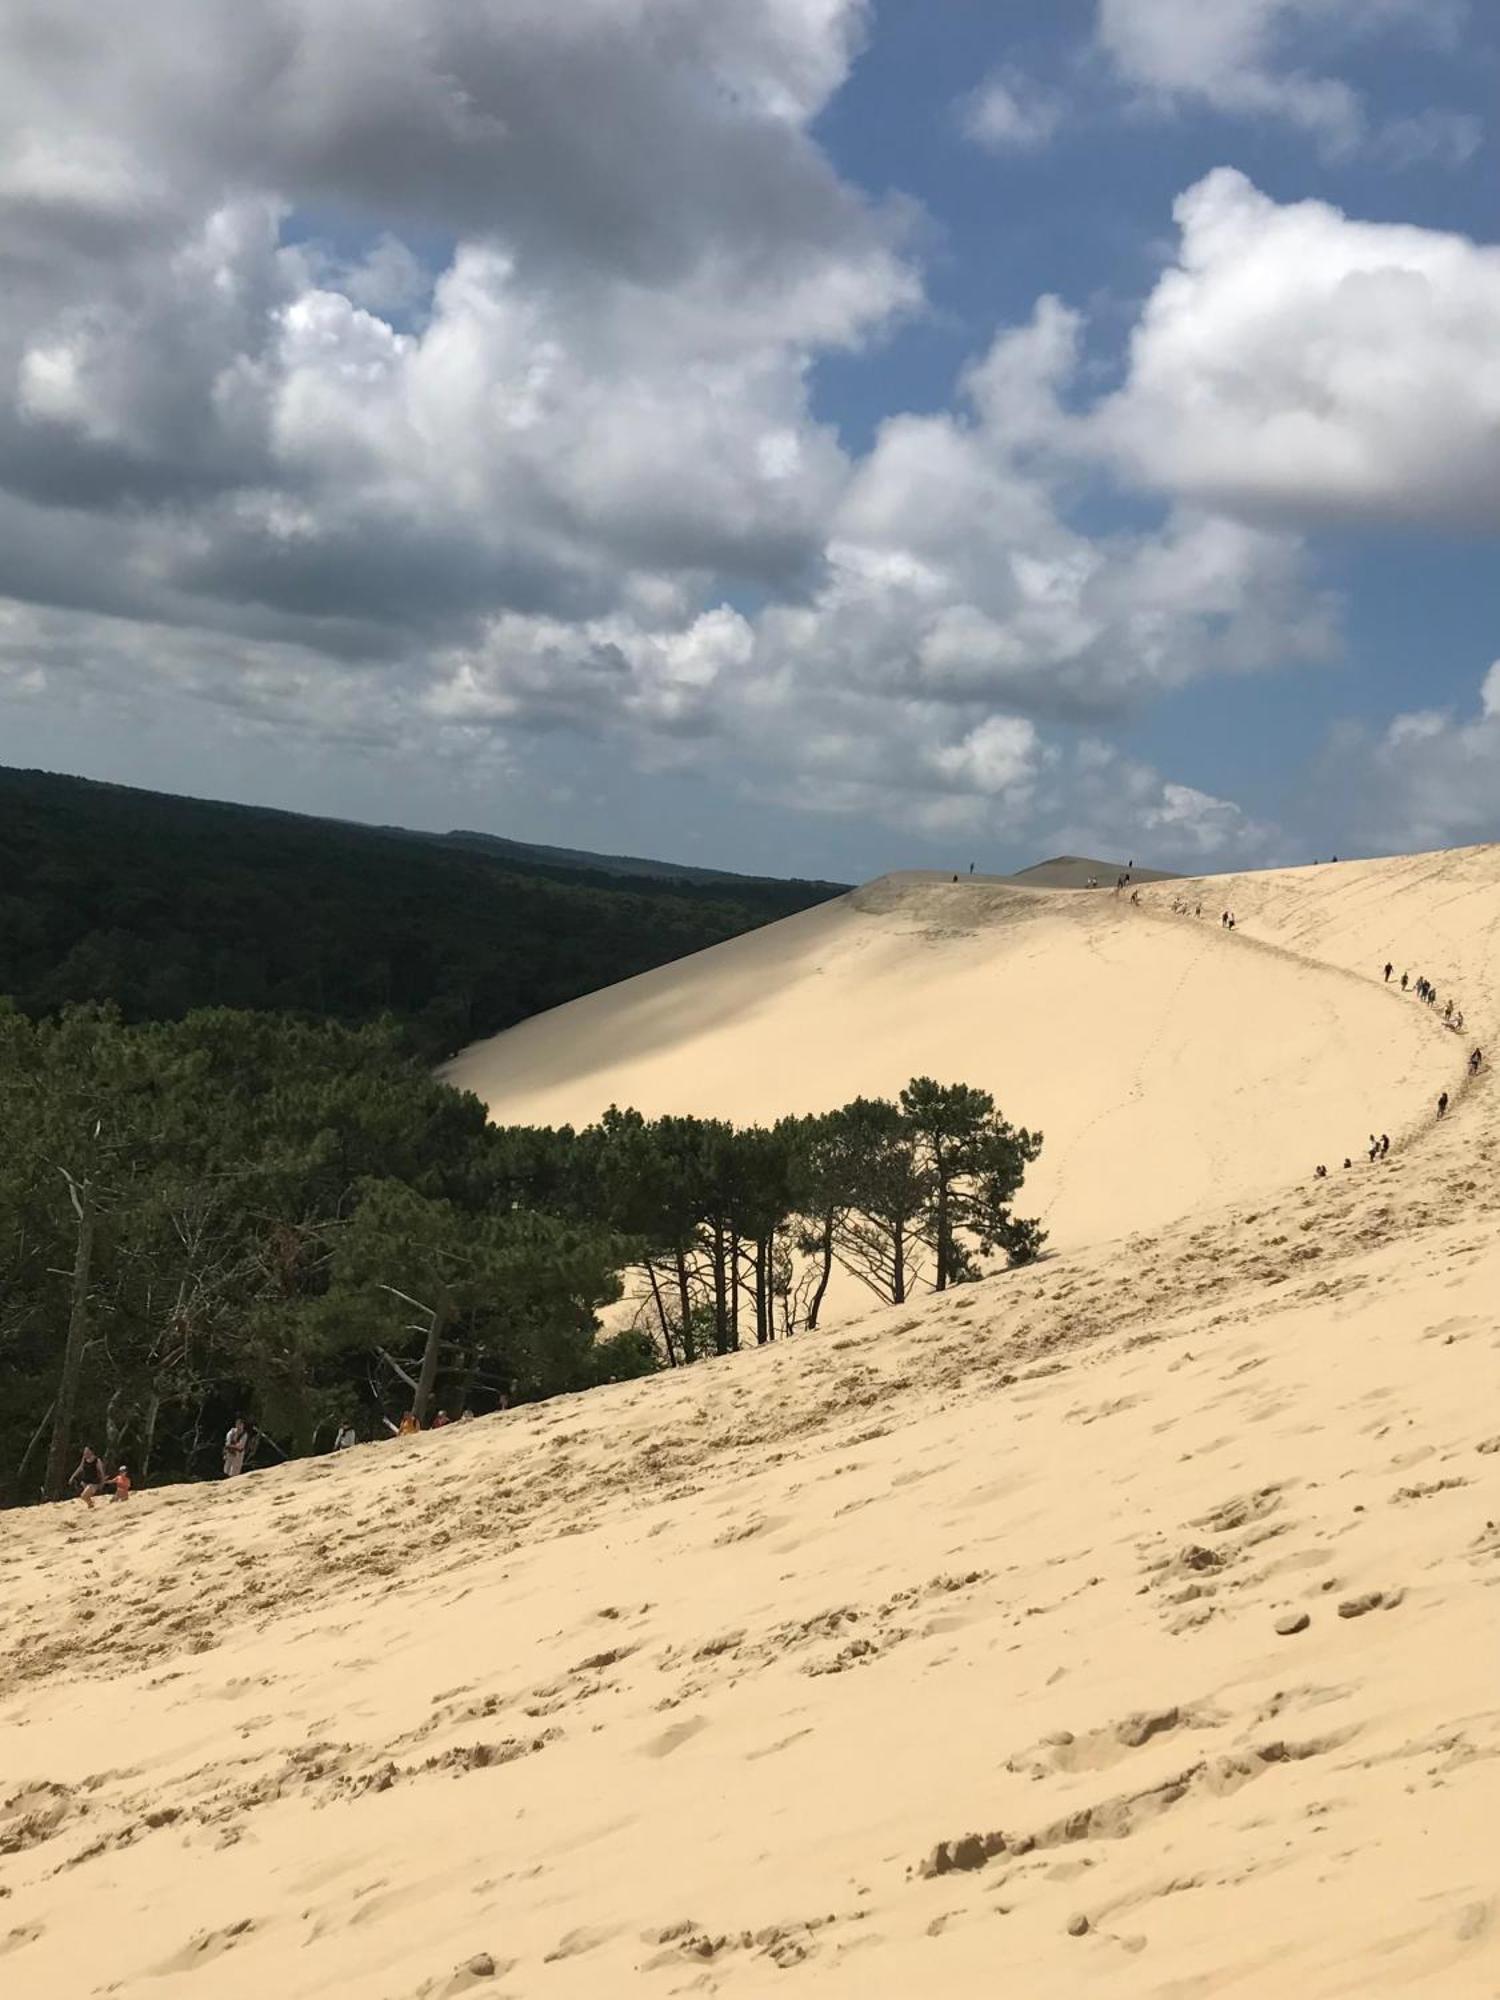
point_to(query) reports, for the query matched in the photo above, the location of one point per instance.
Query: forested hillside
(160, 905)
(251, 1214)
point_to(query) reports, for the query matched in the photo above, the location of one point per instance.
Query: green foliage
(256, 1181)
(972, 1163)
(162, 905)
(263, 1214)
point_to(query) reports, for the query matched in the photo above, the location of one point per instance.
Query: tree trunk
(763, 1322)
(940, 1283)
(36, 1438)
(148, 1436)
(898, 1264)
(721, 1300)
(734, 1287)
(427, 1374)
(661, 1313)
(56, 1482)
(470, 1382)
(115, 1432)
(689, 1344)
(817, 1298)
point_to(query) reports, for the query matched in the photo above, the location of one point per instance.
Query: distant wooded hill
(165, 904)
(576, 859)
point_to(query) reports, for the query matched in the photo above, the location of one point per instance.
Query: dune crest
(1170, 1063)
(1123, 1621)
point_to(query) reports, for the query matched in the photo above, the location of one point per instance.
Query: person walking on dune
(121, 1484)
(1442, 1104)
(236, 1444)
(1404, 977)
(1476, 1061)
(1385, 1144)
(1389, 969)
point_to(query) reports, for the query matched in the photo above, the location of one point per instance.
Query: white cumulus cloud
(1296, 361)
(1241, 58)
(1010, 112)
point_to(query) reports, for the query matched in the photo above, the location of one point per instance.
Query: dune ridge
(1119, 1622)
(1223, 1064)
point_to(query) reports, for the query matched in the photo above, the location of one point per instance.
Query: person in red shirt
(121, 1484)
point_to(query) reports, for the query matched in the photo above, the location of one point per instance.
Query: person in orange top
(408, 1424)
(122, 1484)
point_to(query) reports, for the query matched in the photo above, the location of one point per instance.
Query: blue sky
(800, 435)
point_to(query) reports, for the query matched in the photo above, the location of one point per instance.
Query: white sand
(676, 1688)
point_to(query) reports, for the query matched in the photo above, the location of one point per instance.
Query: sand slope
(1232, 1062)
(875, 1664)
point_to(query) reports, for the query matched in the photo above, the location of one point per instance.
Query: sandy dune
(948, 1653)
(1230, 1062)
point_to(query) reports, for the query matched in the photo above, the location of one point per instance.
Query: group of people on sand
(1453, 1016)
(1426, 992)
(241, 1440)
(1180, 907)
(92, 1477)
(410, 1425)
(1377, 1149)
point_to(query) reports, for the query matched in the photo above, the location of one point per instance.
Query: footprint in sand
(206, 1946)
(674, 1738)
(576, 1943)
